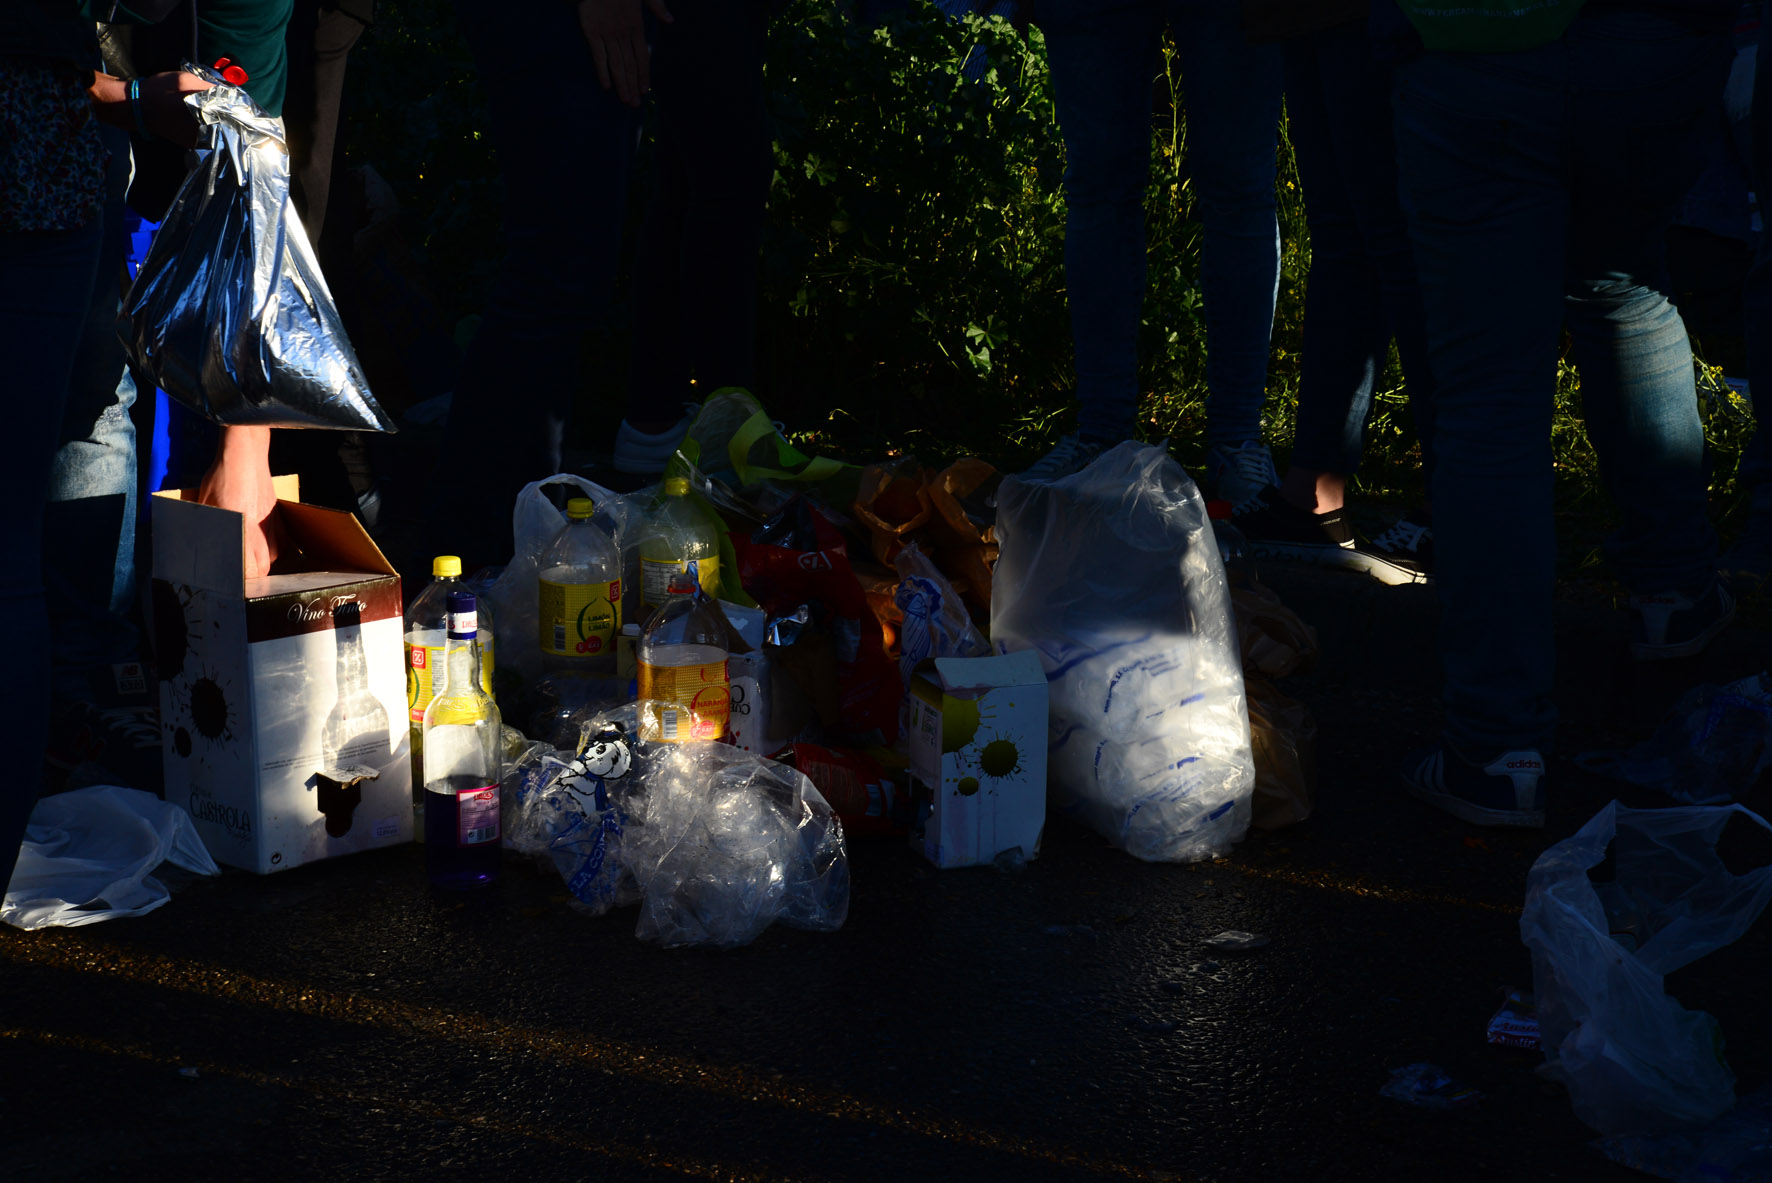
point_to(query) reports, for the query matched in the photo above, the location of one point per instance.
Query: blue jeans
(45, 283)
(1539, 186)
(89, 522)
(1104, 55)
(1362, 286)
(1755, 471)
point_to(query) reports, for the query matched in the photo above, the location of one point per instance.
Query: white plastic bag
(724, 843)
(89, 855)
(936, 623)
(1634, 1060)
(535, 520)
(1113, 575)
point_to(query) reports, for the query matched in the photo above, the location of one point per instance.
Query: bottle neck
(461, 664)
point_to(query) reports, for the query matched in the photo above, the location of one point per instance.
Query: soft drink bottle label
(478, 816)
(424, 664)
(701, 691)
(579, 619)
(655, 577)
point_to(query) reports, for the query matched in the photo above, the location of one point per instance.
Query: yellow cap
(676, 486)
(579, 507)
(445, 565)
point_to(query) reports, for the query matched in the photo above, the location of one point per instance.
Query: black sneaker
(1673, 624)
(1408, 543)
(1073, 454)
(118, 745)
(1508, 791)
(1277, 529)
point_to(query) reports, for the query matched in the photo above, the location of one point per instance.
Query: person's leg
(1644, 85)
(45, 284)
(565, 190)
(1103, 64)
(1752, 553)
(1233, 111)
(1479, 156)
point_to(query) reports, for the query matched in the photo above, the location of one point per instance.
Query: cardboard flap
(970, 677)
(198, 545)
(330, 540)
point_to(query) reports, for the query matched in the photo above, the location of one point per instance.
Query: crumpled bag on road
(89, 855)
(724, 843)
(1714, 745)
(229, 313)
(1113, 575)
(1633, 1059)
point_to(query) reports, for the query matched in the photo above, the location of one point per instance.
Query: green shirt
(250, 33)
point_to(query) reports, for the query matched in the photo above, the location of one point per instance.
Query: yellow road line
(61, 951)
(620, 1152)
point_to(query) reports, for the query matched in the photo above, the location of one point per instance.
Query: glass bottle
(462, 764)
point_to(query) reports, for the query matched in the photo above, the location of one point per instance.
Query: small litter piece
(1427, 1086)
(188, 1073)
(1235, 941)
(1516, 1023)
(1736, 1148)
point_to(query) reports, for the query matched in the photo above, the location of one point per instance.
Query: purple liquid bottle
(461, 742)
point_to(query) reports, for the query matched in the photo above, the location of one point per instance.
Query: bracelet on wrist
(135, 103)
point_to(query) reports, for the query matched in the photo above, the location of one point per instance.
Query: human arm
(162, 101)
(616, 33)
(239, 479)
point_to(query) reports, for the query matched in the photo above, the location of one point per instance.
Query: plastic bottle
(683, 668)
(426, 622)
(676, 535)
(579, 591)
(461, 739)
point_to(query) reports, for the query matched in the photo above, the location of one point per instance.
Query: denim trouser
(1103, 55)
(1755, 472)
(1362, 286)
(89, 522)
(45, 283)
(565, 147)
(1538, 186)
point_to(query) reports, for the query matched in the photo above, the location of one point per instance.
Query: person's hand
(240, 479)
(616, 33)
(164, 113)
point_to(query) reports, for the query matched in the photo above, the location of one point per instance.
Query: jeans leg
(1645, 85)
(565, 190)
(89, 518)
(1233, 110)
(45, 284)
(1482, 185)
(1345, 332)
(1102, 68)
(1755, 473)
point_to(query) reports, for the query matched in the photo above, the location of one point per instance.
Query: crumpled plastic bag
(1113, 575)
(1633, 1059)
(936, 623)
(1714, 744)
(724, 843)
(1283, 738)
(568, 810)
(229, 313)
(535, 520)
(89, 855)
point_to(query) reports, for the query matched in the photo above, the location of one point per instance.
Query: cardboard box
(978, 756)
(282, 699)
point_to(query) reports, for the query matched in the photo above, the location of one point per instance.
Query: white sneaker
(1238, 474)
(639, 453)
(1073, 454)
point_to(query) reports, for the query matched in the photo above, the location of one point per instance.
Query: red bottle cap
(231, 74)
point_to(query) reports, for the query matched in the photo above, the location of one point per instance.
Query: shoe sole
(1341, 558)
(1644, 651)
(1476, 815)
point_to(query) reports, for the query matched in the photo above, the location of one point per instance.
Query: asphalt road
(1062, 1022)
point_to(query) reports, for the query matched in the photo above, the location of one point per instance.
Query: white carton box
(978, 753)
(282, 699)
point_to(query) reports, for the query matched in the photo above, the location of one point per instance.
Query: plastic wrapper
(535, 520)
(1283, 739)
(936, 623)
(1273, 640)
(724, 843)
(1113, 576)
(1633, 1059)
(1714, 745)
(229, 313)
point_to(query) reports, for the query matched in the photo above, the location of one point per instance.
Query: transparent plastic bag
(1113, 575)
(535, 520)
(1633, 1059)
(724, 843)
(936, 623)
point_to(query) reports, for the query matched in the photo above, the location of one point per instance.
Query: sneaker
(1274, 528)
(1073, 454)
(1239, 473)
(1509, 791)
(1408, 543)
(639, 453)
(1673, 624)
(119, 745)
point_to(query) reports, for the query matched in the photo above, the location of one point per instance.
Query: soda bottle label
(423, 666)
(655, 577)
(699, 698)
(479, 815)
(579, 619)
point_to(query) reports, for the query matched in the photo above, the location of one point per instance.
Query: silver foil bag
(229, 313)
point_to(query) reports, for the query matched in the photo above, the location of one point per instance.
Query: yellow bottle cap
(579, 508)
(445, 565)
(676, 486)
